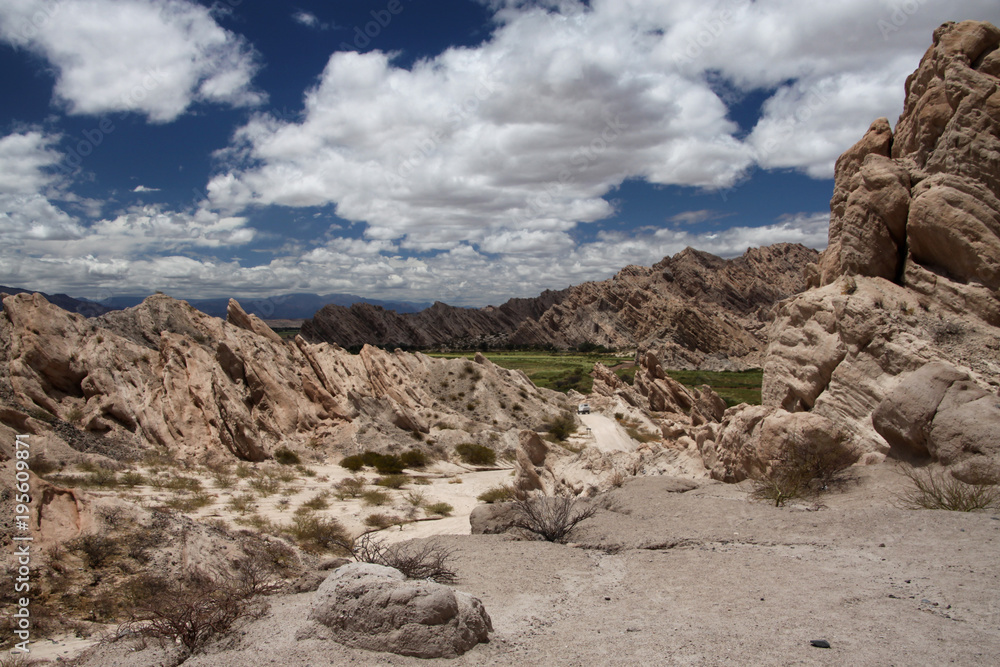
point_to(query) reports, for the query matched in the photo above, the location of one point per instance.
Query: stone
(373, 607)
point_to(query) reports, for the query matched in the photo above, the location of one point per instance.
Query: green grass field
(563, 371)
(734, 388)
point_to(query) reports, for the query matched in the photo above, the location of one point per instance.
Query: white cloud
(143, 188)
(461, 275)
(153, 57)
(527, 133)
(24, 159)
(697, 217)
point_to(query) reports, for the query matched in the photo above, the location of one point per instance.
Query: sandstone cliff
(694, 309)
(908, 290)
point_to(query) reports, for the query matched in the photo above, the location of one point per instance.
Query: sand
(702, 578)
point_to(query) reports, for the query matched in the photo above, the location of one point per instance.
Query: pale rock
(373, 607)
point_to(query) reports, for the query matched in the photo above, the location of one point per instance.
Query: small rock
(820, 643)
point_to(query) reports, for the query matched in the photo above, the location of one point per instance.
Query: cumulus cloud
(525, 135)
(149, 57)
(143, 188)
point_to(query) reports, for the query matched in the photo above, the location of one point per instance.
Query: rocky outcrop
(693, 309)
(921, 207)
(166, 376)
(937, 412)
(906, 299)
(374, 607)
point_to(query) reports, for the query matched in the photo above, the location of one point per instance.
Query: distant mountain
(695, 309)
(81, 306)
(281, 307)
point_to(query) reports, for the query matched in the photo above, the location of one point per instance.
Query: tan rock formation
(165, 375)
(911, 275)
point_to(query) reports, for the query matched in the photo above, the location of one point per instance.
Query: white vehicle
(583, 409)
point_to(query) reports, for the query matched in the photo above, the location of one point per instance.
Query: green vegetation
(561, 371)
(441, 509)
(733, 387)
(287, 457)
(476, 455)
(498, 494)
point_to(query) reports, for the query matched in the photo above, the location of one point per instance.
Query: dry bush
(423, 560)
(315, 533)
(802, 469)
(441, 509)
(938, 490)
(318, 502)
(501, 493)
(393, 481)
(193, 610)
(375, 497)
(96, 549)
(551, 517)
(349, 487)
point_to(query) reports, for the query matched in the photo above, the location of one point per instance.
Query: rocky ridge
(908, 291)
(164, 376)
(694, 309)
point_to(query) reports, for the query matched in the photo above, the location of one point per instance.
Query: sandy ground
(606, 434)
(701, 578)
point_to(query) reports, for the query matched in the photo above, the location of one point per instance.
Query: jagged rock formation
(365, 324)
(694, 309)
(374, 607)
(164, 375)
(912, 272)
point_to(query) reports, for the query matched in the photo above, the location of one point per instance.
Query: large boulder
(937, 412)
(373, 607)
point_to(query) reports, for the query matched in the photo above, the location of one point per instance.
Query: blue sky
(460, 150)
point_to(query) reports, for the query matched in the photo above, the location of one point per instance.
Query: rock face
(163, 375)
(906, 299)
(937, 412)
(694, 309)
(921, 207)
(374, 607)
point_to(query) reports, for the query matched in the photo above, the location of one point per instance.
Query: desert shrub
(416, 560)
(102, 477)
(414, 458)
(939, 490)
(259, 523)
(422, 481)
(476, 454)
(375, 497)
(393, 481)
(243, 470)
(191, 502)
(304, 471)
(265, 486)
(354, 463)
(318, 502)
(224, 480)
(442, 509)
(286, 457)
(95, 549)
(176, 483)
(286, 475)
(802, 469)
(316, 533)
(501, 493)
(416, 498)
(380, 520)
(243, 503)
(387, 464)
(131, 479)
(551, 517)
(193, 610)
(562, 426)
(349, 487)
(617, 479)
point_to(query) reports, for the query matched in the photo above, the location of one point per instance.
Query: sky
(466, 151)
